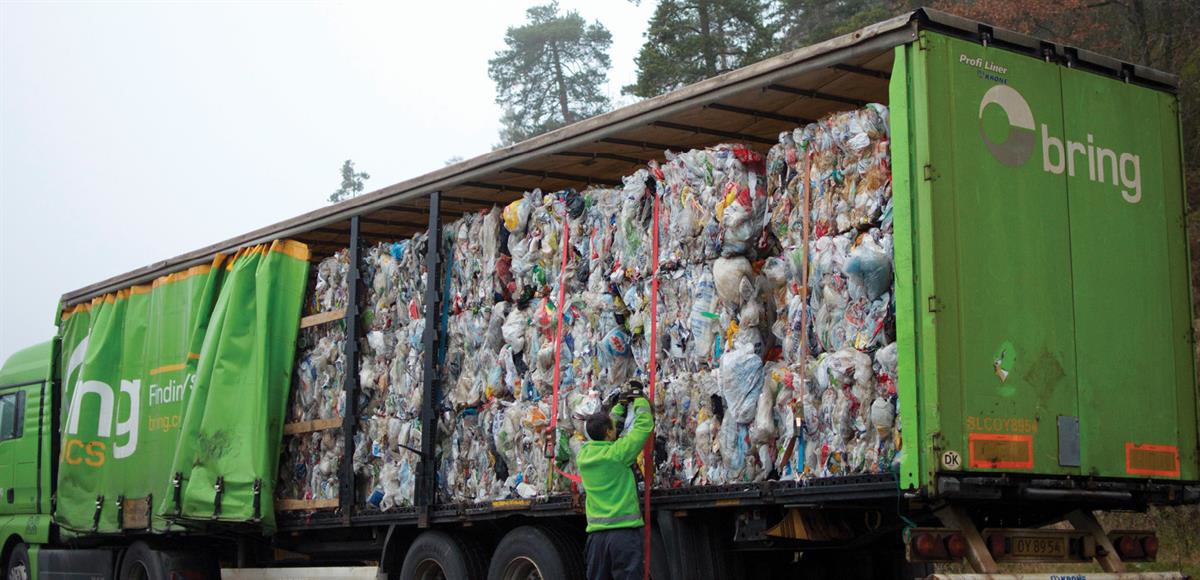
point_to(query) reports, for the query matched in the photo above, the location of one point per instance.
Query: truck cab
(27, 418)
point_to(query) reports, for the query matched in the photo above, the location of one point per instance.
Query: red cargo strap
(552, 435)
(562, 295)
(648, 450)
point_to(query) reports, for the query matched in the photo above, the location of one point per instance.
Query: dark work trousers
(615, 554)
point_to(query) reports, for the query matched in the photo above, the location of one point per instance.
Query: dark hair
(597, 426)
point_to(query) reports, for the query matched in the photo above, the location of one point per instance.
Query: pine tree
(352, 183)
(552, 73)
(804, 22)
(690, 40)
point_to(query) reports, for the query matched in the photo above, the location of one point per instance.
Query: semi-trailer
(1041, 314)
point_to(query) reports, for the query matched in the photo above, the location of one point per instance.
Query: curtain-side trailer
(1042, 321)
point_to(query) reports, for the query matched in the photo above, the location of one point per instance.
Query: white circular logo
(1016, 149)
(952, 460)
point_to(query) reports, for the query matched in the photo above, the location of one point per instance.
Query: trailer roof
(751, 105)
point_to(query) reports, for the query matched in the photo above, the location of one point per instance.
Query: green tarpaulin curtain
(187, 375)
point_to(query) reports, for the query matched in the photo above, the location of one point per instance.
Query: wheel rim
(522, 568)
(18, 572)
(429, 570)
(139, 572)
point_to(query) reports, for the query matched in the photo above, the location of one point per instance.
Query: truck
(1042, 326)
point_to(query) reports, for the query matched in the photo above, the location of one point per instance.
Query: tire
(141, 562)
(438, 555)
(17, 567)
(531, 552)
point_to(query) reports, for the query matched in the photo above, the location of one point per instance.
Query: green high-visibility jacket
(612, 500)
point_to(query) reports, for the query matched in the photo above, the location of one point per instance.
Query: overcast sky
(134, 132)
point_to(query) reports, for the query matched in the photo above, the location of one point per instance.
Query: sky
(134, 132)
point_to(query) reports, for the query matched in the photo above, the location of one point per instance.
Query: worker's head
(600, 428)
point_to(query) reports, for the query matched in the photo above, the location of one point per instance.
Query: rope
(648, 450)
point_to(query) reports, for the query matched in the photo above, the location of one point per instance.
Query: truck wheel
(17, 567)
(441, 556)
(537, 553)
(141, 562)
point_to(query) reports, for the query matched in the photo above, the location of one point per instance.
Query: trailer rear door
(1050, 313)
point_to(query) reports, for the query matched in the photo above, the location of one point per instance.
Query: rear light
(1128, 547)
(936, 545)
(996, 545)
(925, 545)
(1135, 545)
(1150, 546)
(956, 545)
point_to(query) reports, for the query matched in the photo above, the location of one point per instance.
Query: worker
(614, 546)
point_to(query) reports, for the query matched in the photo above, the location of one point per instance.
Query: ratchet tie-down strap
(552, 434)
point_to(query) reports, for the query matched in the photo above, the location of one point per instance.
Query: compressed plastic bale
(845, 159)
(533, 246)
(714, 202)
(685, 403)
(473, 260)
(689, 420)
(842, 392)
(319, 381)
(467, 471)
(310, 468)
(518, 432)
(631, 242)
(850, 180)
(521, 247)
(390, 372)
(310, 462)
(851, 299)
(784, 185)
(471, 360)
(500, 363)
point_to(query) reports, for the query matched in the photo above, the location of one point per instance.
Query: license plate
(1039, 546)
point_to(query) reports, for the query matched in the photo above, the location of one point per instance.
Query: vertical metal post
(55, 402)
(346, 485)
(426, 492)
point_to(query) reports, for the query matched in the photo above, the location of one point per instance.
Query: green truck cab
(28, 417)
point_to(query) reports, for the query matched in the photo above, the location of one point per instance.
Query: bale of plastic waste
(310, 464)
(391, 365)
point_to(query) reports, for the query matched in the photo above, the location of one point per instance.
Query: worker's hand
(632, 390)
(612, 398)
